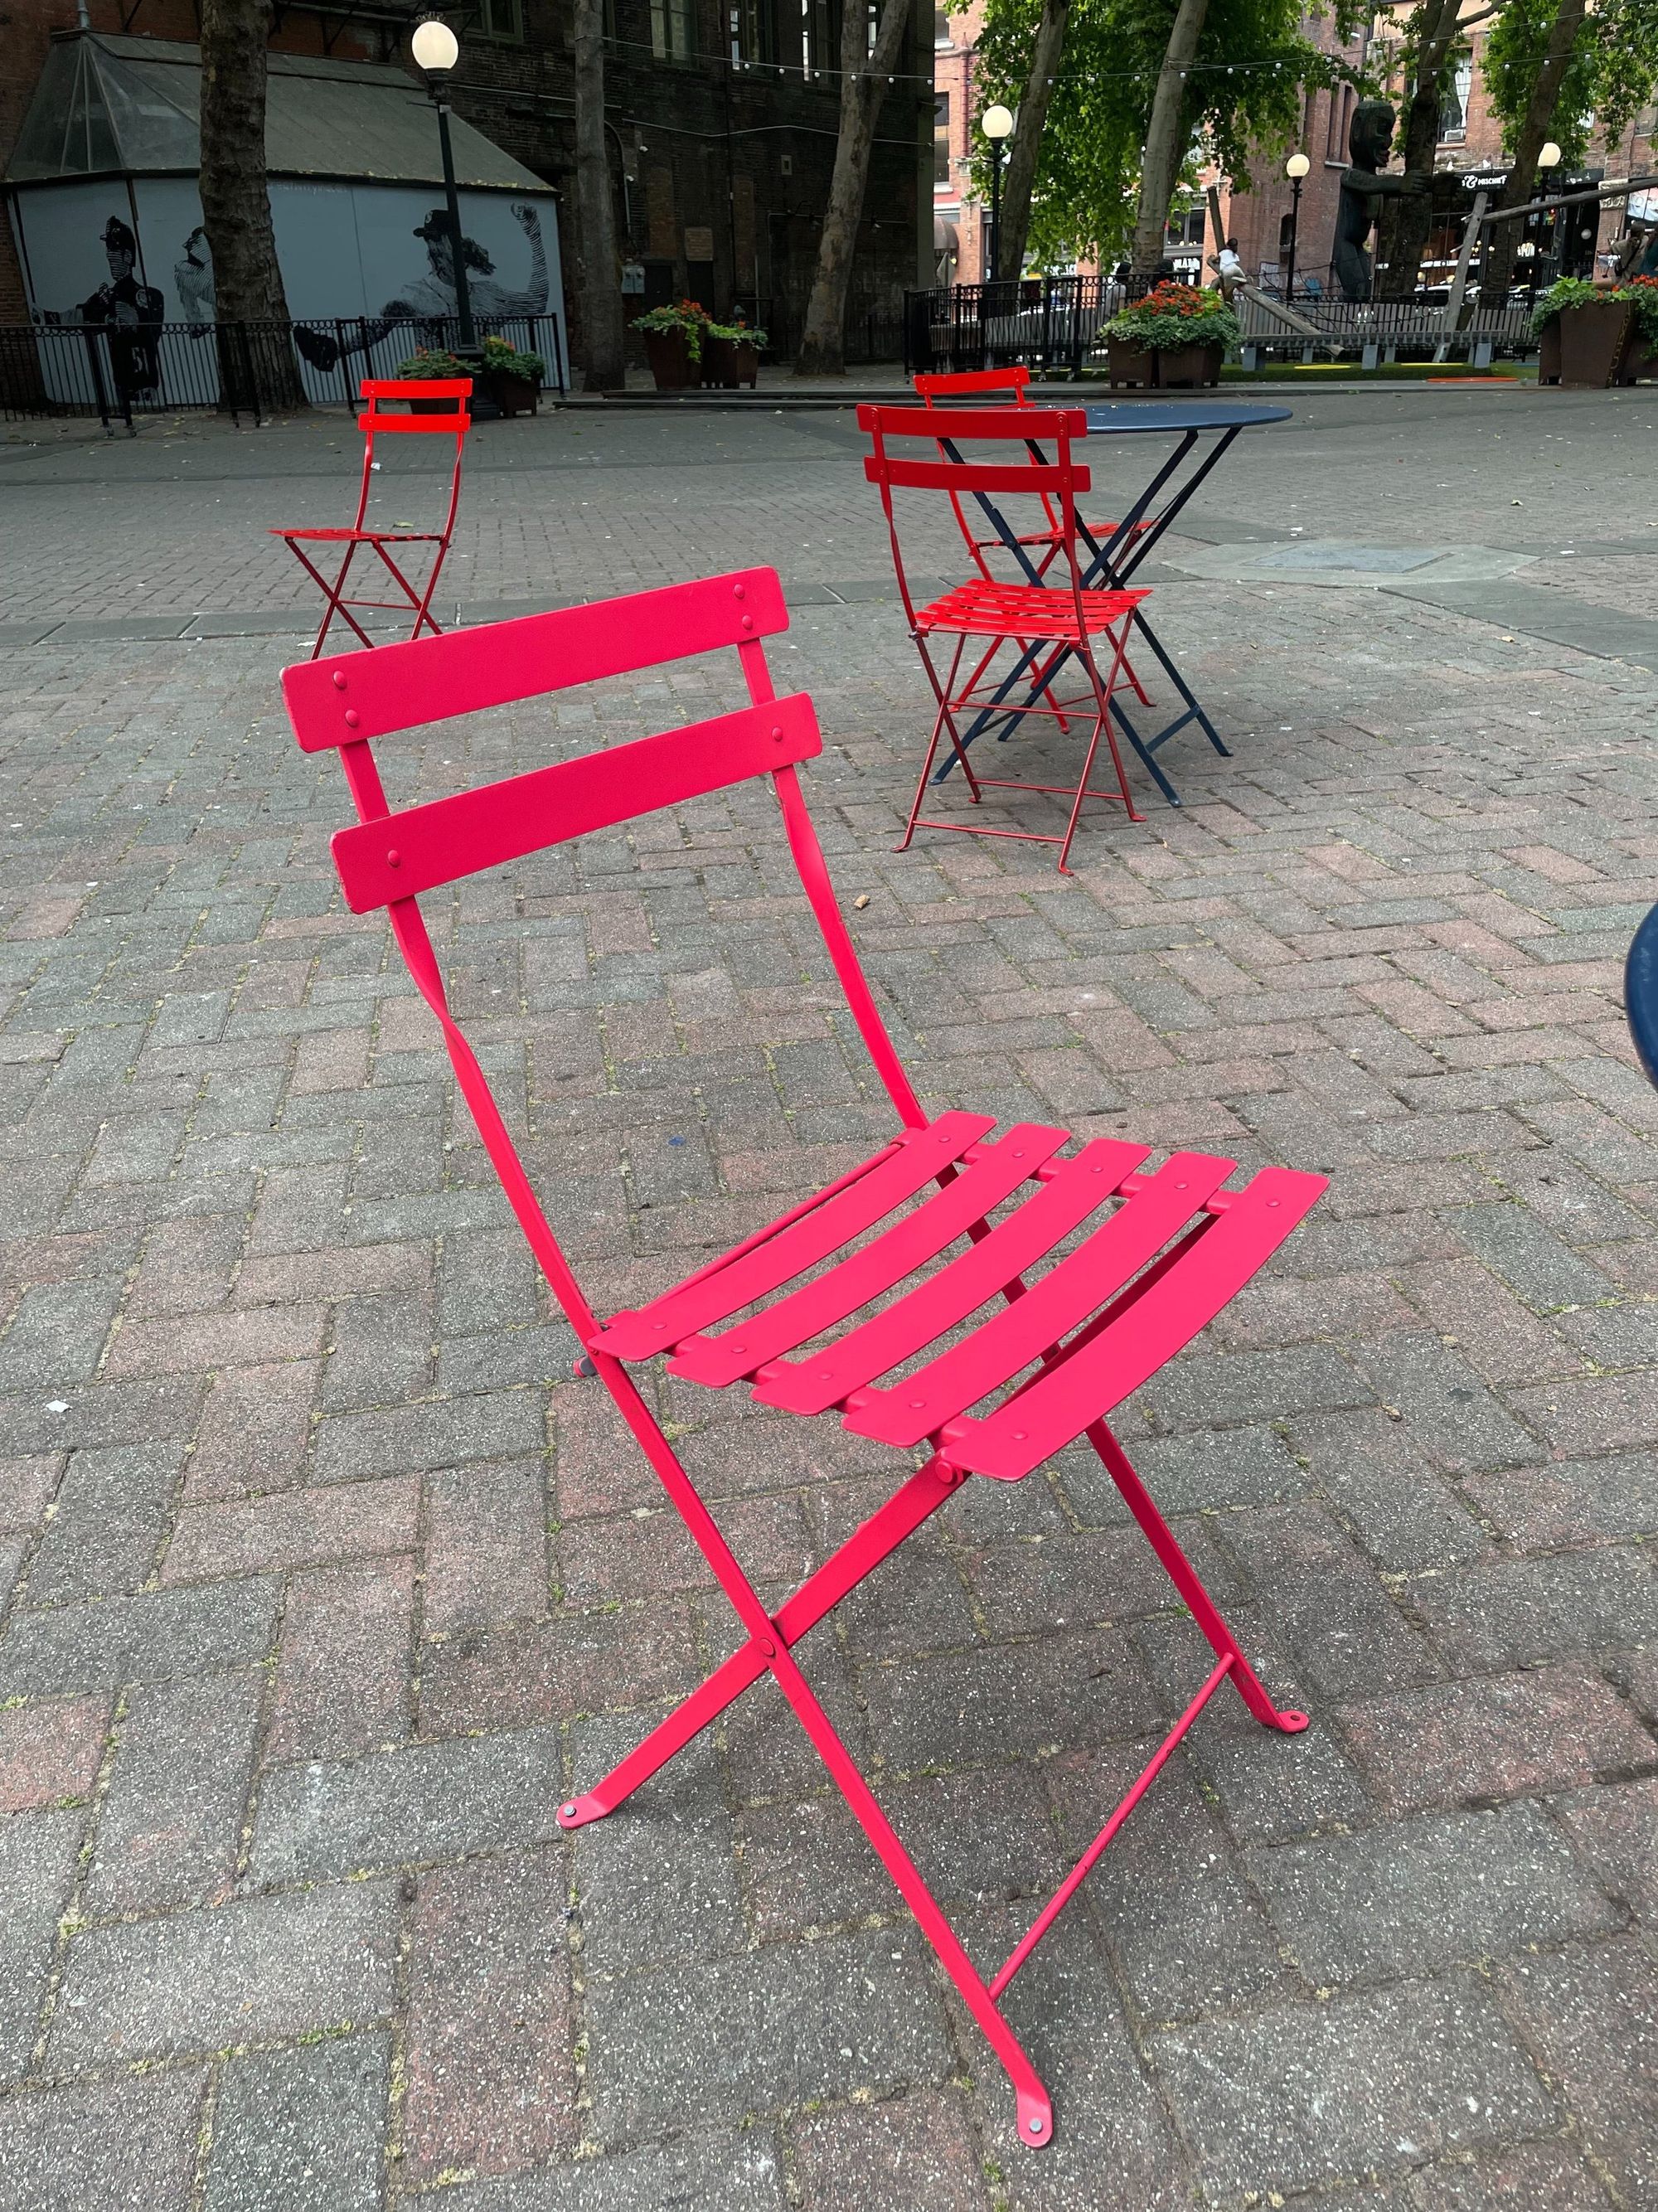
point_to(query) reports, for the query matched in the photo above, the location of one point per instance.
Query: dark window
(673, 29)
(941, 138)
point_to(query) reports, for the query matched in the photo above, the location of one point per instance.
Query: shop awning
(125, 106)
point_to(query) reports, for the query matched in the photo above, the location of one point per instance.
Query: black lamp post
(436, 50)
(996, 124)
(1296, 169)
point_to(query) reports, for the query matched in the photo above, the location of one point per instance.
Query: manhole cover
(1391, 560)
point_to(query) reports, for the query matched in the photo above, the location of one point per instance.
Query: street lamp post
(1296, 169)
(996, 124)
(436, 50)
(1548, 159)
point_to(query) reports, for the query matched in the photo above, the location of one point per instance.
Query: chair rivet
(394, 858)
(747, 622)
(1034, 2124)
(1271, 1201)
(777, 737)
(352, 718)
(740, 590)
(569, 1812)
(1017, 1434)
(739, 1347)
(916, 1404)
(339, 681)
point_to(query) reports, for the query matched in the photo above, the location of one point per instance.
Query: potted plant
(431, 365)
(730, 353)
(673, 343)
(1596, 335)
(512, 378)
(1177, 334)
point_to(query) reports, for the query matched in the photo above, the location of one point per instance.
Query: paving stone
(1068, 1689)
(486, 1547)
(1616, 1830)
(1168, 1895)
(301, 2127)
(491, 2076)
(26, 1489)
(659, 1882)
(1204, 1388)
(1442, 1891)
(437, 1434)
(1508, 1613)
(170, 1827)
(793, 2022)
(1405, 1515)
(50, 1751)
(1296, 2096)
(101, 1645)
(1547, 1273)
(1571, 1501)
(1535, 2173)
(37, 1866)
(342, 1671)
(112, 1508)
(1593, 2015)
(737, 2170)
(126, 2142)
(582, 1663)
(918, 2149)
(1608, 1414)
(1447, 1409)
(414, 1803)
(1345, 1632)
(1202, 1471)
(201, 1980)
(1506, 1735)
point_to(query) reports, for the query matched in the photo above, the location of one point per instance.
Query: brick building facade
(721, 116)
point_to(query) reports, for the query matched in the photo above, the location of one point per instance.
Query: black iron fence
(1052, 324)
(116, 371)
(1049, 323)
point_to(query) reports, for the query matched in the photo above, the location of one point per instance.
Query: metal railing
(116, 371)
(1052, 324)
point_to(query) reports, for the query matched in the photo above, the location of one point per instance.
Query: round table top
(1115, 415)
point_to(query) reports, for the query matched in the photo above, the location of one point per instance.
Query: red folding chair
(1024, 615)
(448, 424)
(1011, 388)
(841, 1303)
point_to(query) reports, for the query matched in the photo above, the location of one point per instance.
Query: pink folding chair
(842, 1302)
(453, 421)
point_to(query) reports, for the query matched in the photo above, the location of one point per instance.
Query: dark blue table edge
(1113, 417)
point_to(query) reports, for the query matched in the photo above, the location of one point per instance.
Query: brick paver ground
(324, 1587)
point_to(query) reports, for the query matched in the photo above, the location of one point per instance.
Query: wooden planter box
(727, 362)
(1593, 347)
(513, 395)
(670, 356)
(1131, 364)
(1189, 365)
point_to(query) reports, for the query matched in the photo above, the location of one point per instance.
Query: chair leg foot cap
(577, 1812)
(1292, 1721)
(1036, 2120)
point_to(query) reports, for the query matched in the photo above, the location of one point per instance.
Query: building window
(1186, 227)
(1454, 107)
(501, 19)
(819, 45)
(942, 35)
(749, 25)
(673, 30)
(941, 138)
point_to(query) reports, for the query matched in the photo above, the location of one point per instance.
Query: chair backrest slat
(959, 382)
(401, 687)
(422, 847)
(958, 423)
(1031, 477)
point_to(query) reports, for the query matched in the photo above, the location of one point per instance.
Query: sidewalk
(327, 1582)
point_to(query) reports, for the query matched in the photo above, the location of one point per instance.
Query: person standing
(1230, 270)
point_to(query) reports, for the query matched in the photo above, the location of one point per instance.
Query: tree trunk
(1497, 270)
(247, 284)
(863, 84)
(598, 280)
(1020, 177)
(1165, 142)
(1409, 218)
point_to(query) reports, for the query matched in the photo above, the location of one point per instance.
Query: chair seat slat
(874, 1269)
(1065, 1297)
(909, 1168)
(1057, 1407)
(1075, 1190)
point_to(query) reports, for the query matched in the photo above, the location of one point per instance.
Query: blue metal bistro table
(1113, 558)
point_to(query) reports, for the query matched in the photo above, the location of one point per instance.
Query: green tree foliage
(1611, 77)
(1244, 99)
